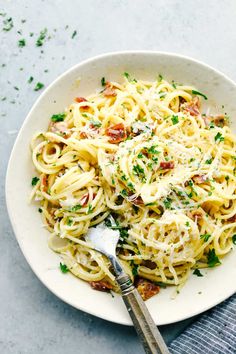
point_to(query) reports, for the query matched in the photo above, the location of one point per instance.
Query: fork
(104, 240)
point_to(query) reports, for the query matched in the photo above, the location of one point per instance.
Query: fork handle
(152, 340)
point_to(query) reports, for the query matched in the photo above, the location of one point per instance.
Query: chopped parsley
(205, 237)
(187, 223)
(127, 76)
(76, 207)
(34, 181)
(58, 117)
(208, 162)
(134, 268)
(152, 150)
(63, 268)
(38, 86)
(41, 38)
(30, 79)
(175, 119)
(69, 221)
(167, 203)
(234, 239)
(139, 171)
(8, 24)
(160, 78)
(130, 185)
(124, 178)
(95, 123)
(227, 179)
(21, 43)
(194, 92)
(103, 81)
(212, 259)
(124, 193)
(90, 209)
(219, 137)
(74, 34)
(140, 155)
(40, 210)
(198, 273)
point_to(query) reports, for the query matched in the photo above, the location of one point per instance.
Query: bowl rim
(43, 94)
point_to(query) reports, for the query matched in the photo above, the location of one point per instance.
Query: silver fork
(104, 240)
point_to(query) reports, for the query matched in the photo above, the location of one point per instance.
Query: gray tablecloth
(213, 333)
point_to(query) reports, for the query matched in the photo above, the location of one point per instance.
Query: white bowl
(199, 294)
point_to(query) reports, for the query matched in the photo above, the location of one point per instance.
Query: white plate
(199, 294)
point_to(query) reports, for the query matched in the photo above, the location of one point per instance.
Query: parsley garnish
(198, 273)
(130, 185)
(219, 137)
(38, 86)
(187, 223)
(30, 79)
(34, 181)
(63, 268)
(41, 38)
(234, 239)
(212, 259)
(194, 92)
(95, 123)
(21, 43)
(167, 202)
(74, 34)
(160, 78)
(76, 207)
(127, 76)
(124, 178)
(58, 117)
(208, 162)
(40, 210)
(103, 81)
(69, 221)
(205, 237)
(124, 193)
(8, 24)
(152, 150)
(90, 209)
(140, 155)
(175, 119)
(139, 171)
(134, 268)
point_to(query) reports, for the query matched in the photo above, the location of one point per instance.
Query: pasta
(144, 153)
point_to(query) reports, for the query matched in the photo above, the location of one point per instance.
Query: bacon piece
(137, 201)
(116, 133)
(44, 182)
(219, 120)
(82, 99)
(85, 198)
(109, 90)
(167, 165)
(199, 179)
(149, 264)
(233, 218)
(100, 285)
(83, 135)
(146, 288)
(60, 128)
(192, 107)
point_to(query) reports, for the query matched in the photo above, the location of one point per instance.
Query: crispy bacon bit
(44, 182)
(149, 264)
(195, 214)
(219, 120)
(60, 128)
(146, 288)
(83, 135)
(167, 165)
(100, 285)
(82, 99)
(192, 107)
(116, 133)
(109, 90)
(232, 219)
(84, 200)
(137, 201)
(199, 179)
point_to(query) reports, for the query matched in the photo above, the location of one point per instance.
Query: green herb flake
(21, 43)
(167, 203)
(63, 268)
(40, 210)
(74, 34)
(194, 92)
(8, 24)
(90, 209)
(103, 81)
(219, 137)
(30, 79)
(160, 78)
(197, 273)
(38, 86)
(130, 185)
(134, 268)
(127, 76)
(234, 239)
(175, 119)
(124, 178)
(76, 207)
(205, 237)
(212, 259)
(95, 123)
(124, 193)
(34, 181)
(208, 162)
(140, 155)
(69, 221)
(58, 117)
(187, 223)
(41, 38)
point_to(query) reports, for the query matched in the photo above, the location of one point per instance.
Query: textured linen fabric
(213, 333)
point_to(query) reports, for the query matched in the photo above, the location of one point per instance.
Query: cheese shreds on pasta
(144, 153)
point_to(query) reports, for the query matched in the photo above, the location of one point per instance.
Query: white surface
(33, 238)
